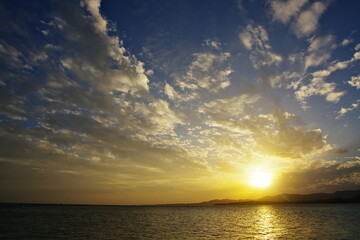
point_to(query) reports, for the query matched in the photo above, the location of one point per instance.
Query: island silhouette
(346, 196)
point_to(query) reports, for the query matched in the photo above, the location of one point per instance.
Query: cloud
(213, 44)
(346, 42)
(317, 43)
(319, 51)
(246, 39)
(291, 139)
(307, 21)
(340, 151)
(12, 55)
(170, 92)
(279, 134)
(302, 16)
(355, 82)
(107, 60)
(327, 176)
(357, 47)
(317, 54)
(87, 106)
(156, 116)
(283, 11)
(229, 107)
(344, 111)
(208, 71)
(256, 40)
(79, 109)
(336, 66)
(93, 6)
(318, 85)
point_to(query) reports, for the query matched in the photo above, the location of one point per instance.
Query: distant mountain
(355, 199)
(216, 202)
(206, 203)
(349, 196)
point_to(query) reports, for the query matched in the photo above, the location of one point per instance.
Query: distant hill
(205, 203)
(348, 196)
(216, 202)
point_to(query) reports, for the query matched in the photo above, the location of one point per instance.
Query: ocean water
(312, 221)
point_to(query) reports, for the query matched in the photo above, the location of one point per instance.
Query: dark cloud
(319, 176)
(340, 151)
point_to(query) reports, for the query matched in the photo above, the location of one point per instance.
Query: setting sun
(261, 179)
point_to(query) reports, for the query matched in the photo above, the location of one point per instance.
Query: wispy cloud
(307, 21)
(346, 42)
(344, 111)
(302, 16)
(209, 71)
(283, 11)
(256, 40)
(213, 43)
(318, 53)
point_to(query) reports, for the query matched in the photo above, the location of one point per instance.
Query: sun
(261, 179)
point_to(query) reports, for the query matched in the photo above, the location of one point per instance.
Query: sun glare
(261, 179)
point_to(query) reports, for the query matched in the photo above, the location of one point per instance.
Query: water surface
(312, 221)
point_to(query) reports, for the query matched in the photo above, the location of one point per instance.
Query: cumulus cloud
(93, 6)
(83, 104)
(355, 82)
(107, 60)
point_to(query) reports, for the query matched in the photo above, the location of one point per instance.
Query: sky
(165, 101)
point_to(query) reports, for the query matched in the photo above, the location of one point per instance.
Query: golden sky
(126, 102)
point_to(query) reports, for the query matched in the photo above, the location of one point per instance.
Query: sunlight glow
(261, 179)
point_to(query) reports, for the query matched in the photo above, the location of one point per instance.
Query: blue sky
(129, 102)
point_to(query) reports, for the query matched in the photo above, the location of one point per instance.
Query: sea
(306, 221)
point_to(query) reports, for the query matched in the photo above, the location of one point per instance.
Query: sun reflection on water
(267, 224)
